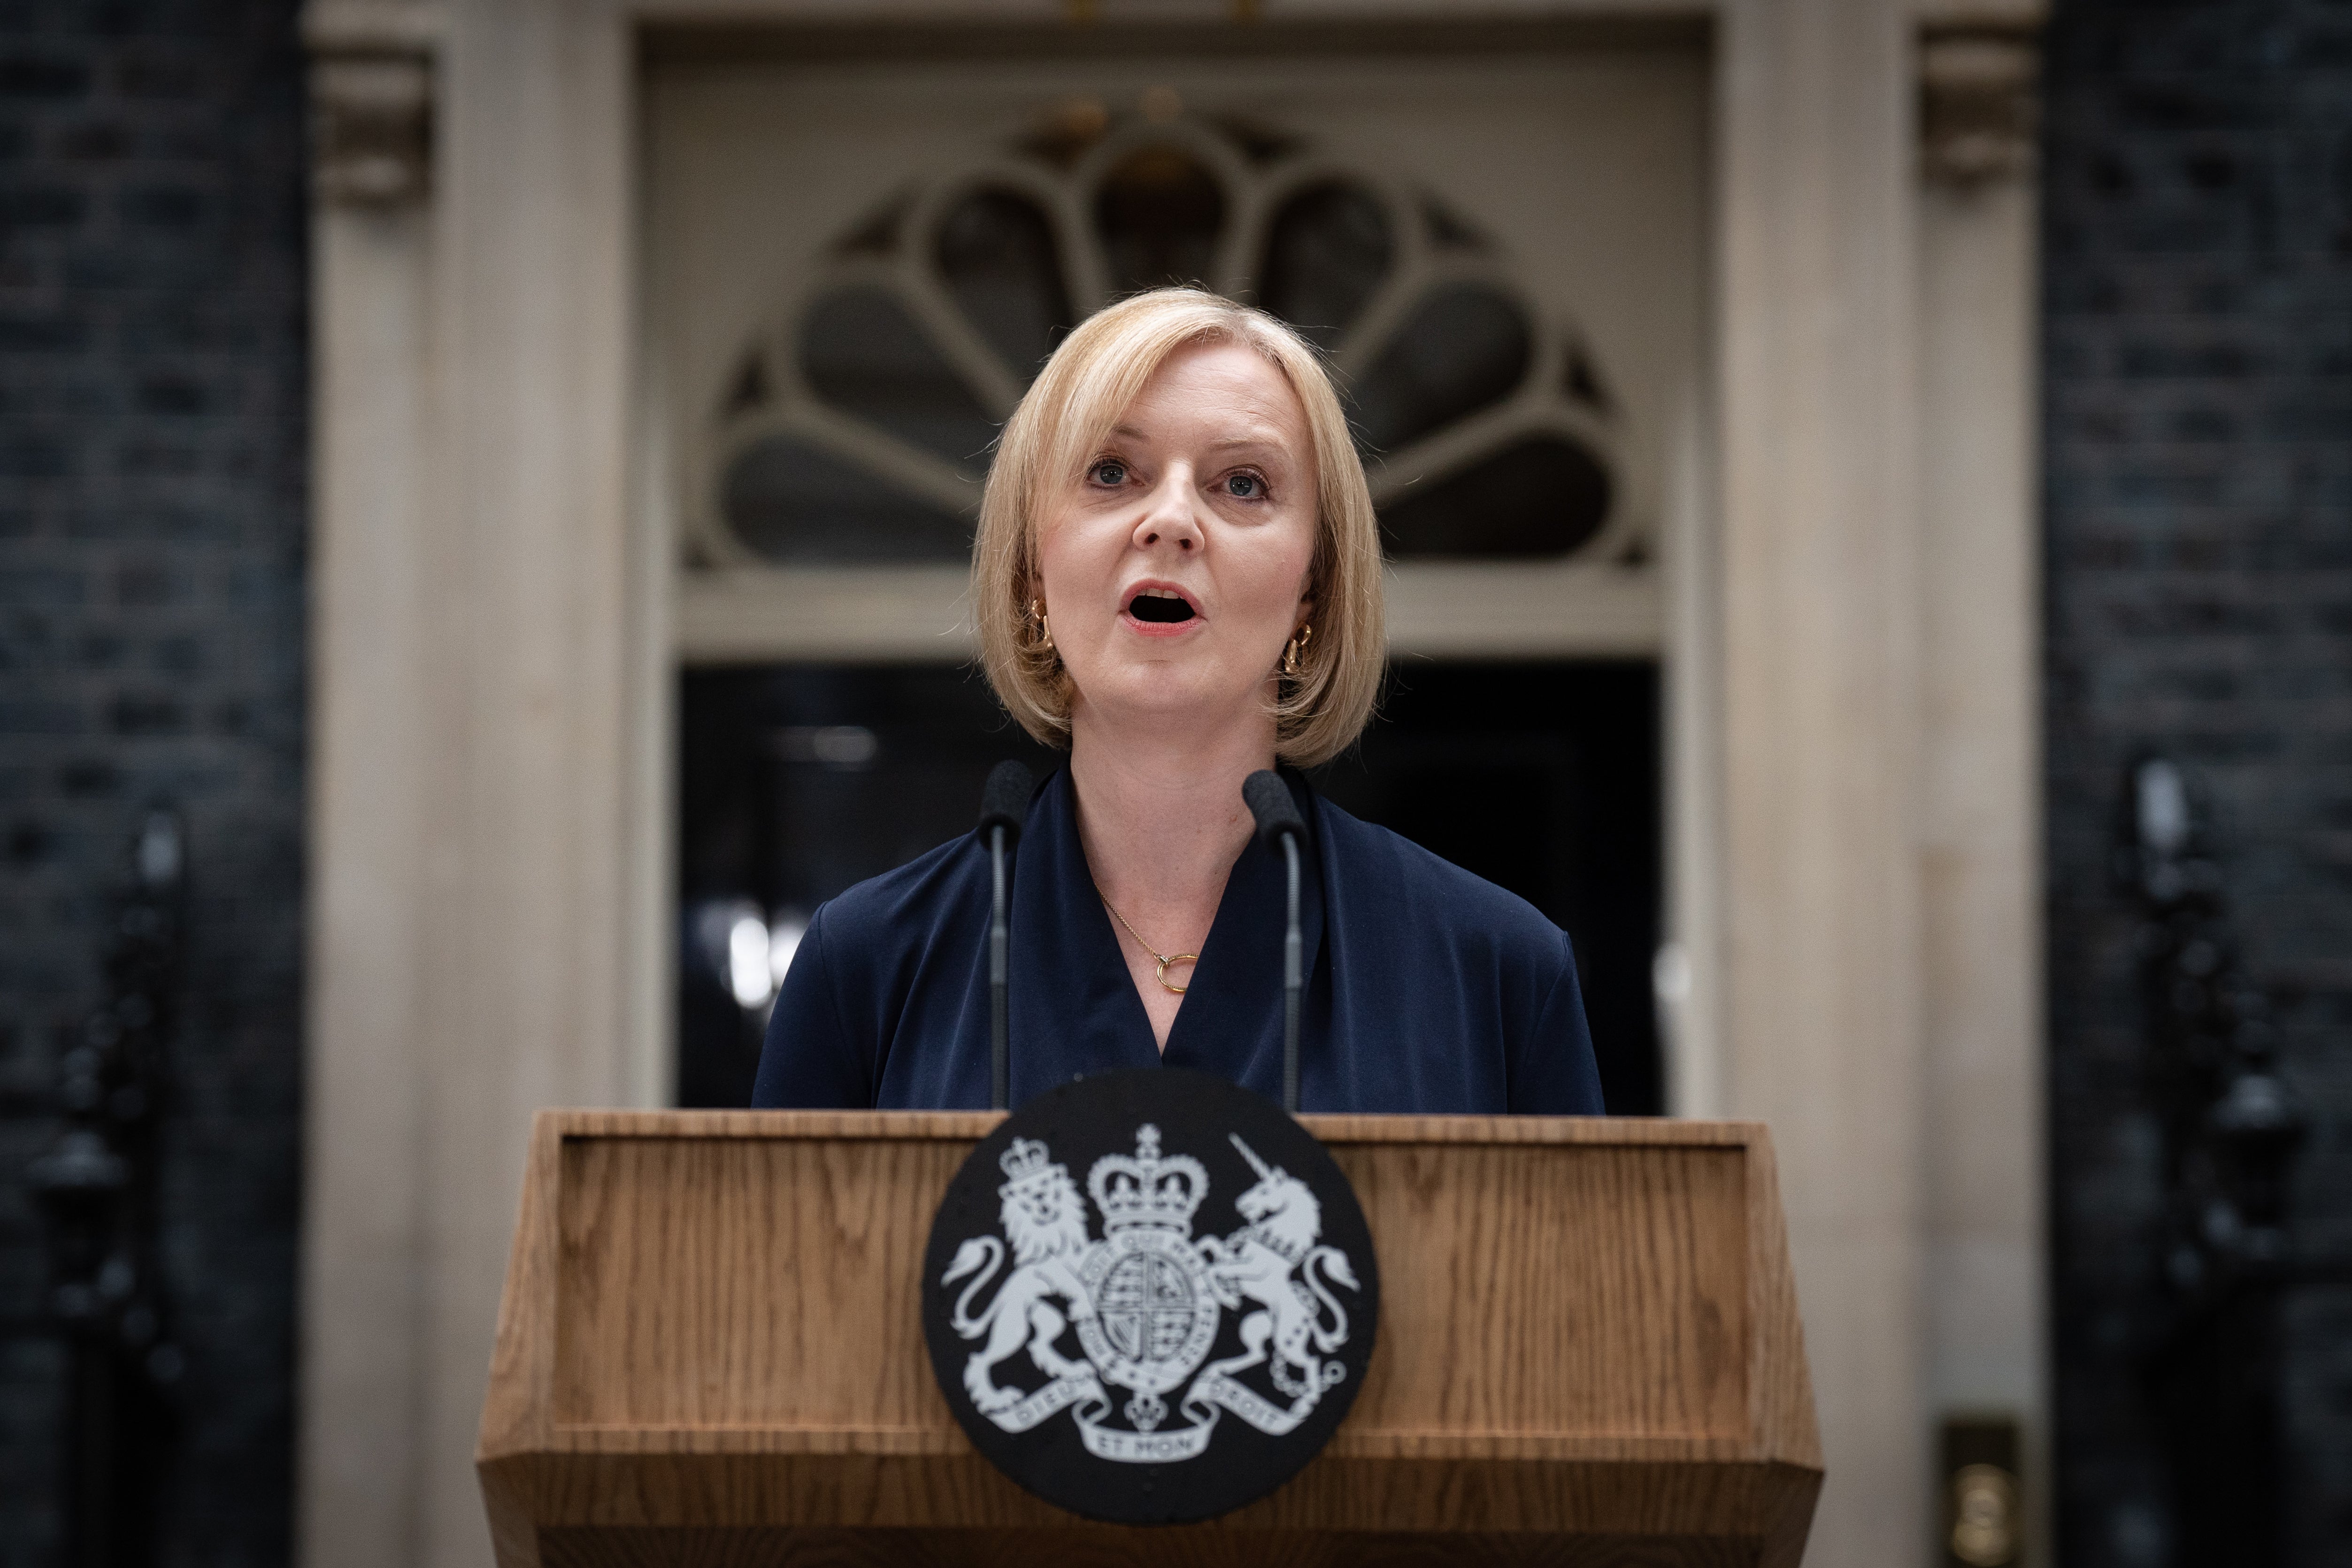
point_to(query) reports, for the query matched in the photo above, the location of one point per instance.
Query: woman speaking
(1177, 577)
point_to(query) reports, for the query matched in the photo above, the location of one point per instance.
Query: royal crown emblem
(1148, 1189)
(1025, 1162)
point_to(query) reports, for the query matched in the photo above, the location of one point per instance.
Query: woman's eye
(1245, 486)
(1109, 472)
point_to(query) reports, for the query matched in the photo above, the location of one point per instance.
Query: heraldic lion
(1045, 1216)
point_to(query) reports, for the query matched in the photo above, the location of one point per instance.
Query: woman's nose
(1168, 516)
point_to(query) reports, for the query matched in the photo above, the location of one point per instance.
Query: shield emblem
(1146, 1308)
(1154, 1318)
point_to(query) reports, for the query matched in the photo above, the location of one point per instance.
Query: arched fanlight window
(855, 427)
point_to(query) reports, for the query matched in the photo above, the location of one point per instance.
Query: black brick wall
(151, 401)
(2198, 343)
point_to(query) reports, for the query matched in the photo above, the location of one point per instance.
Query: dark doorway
(1544, 779)
(797, 781)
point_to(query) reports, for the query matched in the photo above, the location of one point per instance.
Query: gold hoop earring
(1291, 650)
(1044, 625)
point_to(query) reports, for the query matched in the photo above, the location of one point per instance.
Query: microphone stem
(1000, 1050)
(1291, 981)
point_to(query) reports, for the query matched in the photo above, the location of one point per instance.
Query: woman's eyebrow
(1270, 440)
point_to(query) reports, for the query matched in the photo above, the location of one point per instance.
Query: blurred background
(1868, 487)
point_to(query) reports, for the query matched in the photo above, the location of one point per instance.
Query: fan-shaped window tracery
(857, 427)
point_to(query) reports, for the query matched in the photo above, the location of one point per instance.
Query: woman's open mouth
(1159, 606)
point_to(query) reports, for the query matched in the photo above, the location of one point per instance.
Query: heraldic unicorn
(1146, 1301)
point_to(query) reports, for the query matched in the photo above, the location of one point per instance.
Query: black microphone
(1269, 801)
(1004, 806)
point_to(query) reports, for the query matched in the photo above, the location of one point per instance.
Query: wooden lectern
(710, 1352)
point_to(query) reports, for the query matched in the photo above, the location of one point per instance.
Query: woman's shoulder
(908, 906)
(1371, 868)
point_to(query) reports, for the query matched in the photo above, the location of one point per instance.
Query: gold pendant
(1175, 958)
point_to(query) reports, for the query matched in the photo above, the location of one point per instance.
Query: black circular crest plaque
(1149, 1296)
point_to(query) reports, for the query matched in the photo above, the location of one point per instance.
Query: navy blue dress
(1428, 990)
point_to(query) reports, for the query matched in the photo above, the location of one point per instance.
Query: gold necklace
(1165, 958)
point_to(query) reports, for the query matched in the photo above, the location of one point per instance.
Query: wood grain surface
(711, 1351)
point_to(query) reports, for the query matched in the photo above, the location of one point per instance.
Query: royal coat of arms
(1145, 1302)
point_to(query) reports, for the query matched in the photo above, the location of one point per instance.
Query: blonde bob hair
(1077, 398)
